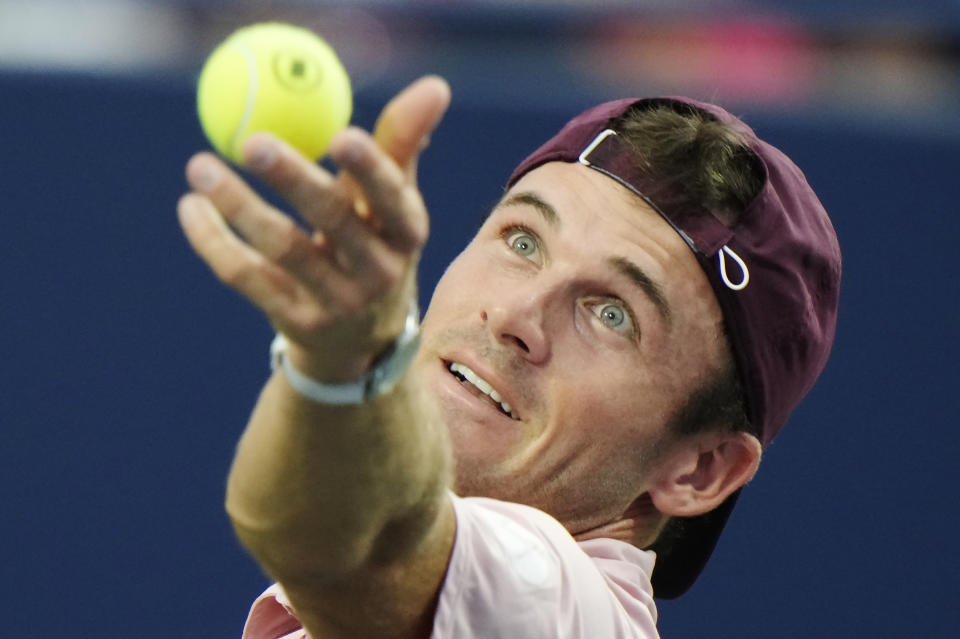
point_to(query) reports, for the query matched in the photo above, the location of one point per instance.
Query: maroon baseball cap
(775, 272)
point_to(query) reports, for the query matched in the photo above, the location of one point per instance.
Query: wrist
(355, 383)
(334, 364)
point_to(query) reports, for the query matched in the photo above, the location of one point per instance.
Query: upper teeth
(483, 385)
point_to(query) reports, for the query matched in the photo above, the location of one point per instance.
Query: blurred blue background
(128, 371)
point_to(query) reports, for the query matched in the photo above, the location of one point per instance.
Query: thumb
(405, 124)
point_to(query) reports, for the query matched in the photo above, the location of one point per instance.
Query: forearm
(345, 506)
(313, 487)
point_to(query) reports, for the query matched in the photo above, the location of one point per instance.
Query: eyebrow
(528, 198)
(651, 289)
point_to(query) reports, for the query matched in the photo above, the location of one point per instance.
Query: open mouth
(481, 388)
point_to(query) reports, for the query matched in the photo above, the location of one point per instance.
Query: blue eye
(616, 316)
(523, 244)
(612, 315)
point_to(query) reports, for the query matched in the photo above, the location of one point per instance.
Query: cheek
(458, 293)
(449, 290)
(463, 269)
(587, 408)
(612, 409)
(601, 442)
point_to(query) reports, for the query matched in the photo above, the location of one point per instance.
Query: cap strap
(612, 172)
(744, 280)
(611, 162)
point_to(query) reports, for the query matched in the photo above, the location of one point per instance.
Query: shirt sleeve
(271, 617)
(516, 572)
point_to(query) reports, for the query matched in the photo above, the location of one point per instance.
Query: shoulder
(519, 568)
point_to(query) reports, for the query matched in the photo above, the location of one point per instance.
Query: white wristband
(379, 380)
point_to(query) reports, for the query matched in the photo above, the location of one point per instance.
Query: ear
(703, 471)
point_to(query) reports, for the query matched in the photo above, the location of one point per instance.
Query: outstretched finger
(271, 232)
(405, 124)
(330, 206)
(295, 307)
(396, 205)
(234, 262)
(312, 191)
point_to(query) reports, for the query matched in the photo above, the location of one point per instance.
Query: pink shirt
(516, 572)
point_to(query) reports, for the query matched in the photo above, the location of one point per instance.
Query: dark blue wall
(128, 373)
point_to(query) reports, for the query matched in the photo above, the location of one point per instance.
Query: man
(596, 374)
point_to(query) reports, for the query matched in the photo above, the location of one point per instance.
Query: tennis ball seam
(242, 89)
(236, 140)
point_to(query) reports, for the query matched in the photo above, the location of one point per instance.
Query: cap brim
(678, 568)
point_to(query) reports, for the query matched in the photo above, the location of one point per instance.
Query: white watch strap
(379, 380)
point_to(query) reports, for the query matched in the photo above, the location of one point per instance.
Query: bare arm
(345, 506)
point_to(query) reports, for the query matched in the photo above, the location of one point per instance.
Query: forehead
(581, 198)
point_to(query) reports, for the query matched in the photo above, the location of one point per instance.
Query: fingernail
(206, 176)
(351, 154)
(347, 148)
(188, 211)
(260, 154)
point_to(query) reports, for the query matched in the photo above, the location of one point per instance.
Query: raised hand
(340, 289)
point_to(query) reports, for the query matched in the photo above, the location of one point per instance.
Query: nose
(516, 320)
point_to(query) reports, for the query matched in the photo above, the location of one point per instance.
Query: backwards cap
(775, 272)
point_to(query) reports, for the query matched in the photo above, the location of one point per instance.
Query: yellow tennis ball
(273, 77)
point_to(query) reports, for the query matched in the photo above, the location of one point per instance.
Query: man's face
(591, 319)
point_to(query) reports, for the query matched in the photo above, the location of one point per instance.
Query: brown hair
(692, 154)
